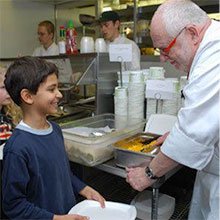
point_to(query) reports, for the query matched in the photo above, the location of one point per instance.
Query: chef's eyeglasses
(167, 49)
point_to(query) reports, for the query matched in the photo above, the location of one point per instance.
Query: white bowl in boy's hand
(94, 211)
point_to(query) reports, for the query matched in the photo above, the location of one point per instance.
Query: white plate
(93, 210)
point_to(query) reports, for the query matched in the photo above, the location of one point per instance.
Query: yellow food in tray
(136, 144)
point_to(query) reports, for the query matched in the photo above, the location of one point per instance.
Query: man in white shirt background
(110, 24)
(46, 38)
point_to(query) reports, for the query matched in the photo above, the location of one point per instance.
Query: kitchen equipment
(93, 210)
(95, 149)
(86, 20)
(143, 203)
(66, 95)
(143, 27)
(100, 45)
(66, 90)
(126, 157)
(87, 45)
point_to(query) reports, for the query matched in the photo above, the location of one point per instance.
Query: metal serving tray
(128, 158)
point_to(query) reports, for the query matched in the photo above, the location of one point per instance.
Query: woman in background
(10, 114)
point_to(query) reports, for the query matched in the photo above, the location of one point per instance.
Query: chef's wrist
(150, 173)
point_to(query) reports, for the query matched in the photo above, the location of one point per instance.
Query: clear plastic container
(93, 150)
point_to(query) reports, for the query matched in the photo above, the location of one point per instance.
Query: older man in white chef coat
(110, 24)
(190, 41)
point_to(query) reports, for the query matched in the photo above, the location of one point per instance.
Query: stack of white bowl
(136, 96)
(171, 106)
(146, 73)
(121, 106)
(156, 72)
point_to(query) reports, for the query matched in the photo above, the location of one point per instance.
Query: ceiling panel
(82, 3)
(74, 3)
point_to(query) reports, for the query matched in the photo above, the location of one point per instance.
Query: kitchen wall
(19, 20)
(18, 25)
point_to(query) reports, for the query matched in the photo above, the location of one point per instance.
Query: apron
(205, 200)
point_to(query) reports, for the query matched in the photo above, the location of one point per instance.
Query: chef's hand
(137, 178)
(92, 194)
(70, 217)
(162, 138)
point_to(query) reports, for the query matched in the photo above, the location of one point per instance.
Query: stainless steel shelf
(111, 168)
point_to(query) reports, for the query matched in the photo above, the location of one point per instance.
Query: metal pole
(55, 24)
(120, 59)
(84, 30)
(135, 21)
(98, 11)
(154, 205)
(158, 99)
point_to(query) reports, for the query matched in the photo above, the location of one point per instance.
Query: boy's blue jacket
(37, 180)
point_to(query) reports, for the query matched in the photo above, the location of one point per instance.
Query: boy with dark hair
(37, 180)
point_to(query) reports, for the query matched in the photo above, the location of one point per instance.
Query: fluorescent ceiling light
(107, 9)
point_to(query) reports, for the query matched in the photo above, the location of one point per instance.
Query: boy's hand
(92, 194)
(70, 217)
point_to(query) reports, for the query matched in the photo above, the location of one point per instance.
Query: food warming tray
(125, 157)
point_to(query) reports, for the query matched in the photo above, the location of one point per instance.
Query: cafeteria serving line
(141, 138)
(95, 150)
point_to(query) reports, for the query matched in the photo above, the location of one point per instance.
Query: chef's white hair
(176, 14)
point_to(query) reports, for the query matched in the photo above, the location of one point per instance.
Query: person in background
(189, 40)
(9, 116)
(110, 24)
(5, 121)
(46, 31)
(37, 180)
